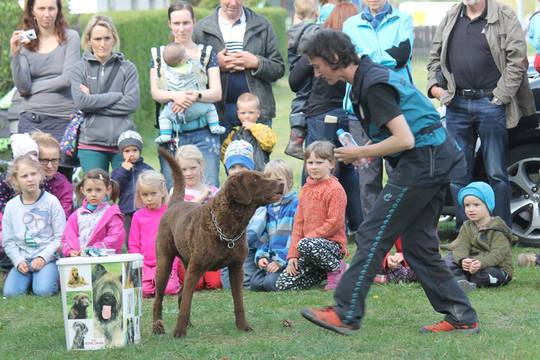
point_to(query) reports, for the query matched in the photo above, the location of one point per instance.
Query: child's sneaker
(466, 286)
(295, 146)
(380, 279)
(217, 129)
(526, 259)
(334, 276)
(163, 139)
(327, 318)
(445, 326)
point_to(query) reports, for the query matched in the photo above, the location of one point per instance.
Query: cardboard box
(102, 300)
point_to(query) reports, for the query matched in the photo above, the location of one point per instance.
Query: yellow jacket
(265, 136)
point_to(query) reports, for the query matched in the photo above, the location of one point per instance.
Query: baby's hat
(130, 137)
(480, 190)
(22, 144)
(239, 152)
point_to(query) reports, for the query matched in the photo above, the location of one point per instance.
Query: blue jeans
(468, 120)
(210, 146)
(44, 282)
(250, 268)
(346, 173)
(91, 159)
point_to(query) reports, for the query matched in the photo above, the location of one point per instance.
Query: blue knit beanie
(239, 152)
(480, 190)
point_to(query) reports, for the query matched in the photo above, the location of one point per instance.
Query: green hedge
(139, 31)
(11, 14)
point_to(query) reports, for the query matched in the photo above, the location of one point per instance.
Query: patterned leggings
(317, 257)
(400, 274)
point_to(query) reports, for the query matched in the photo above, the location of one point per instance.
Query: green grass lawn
(32, 327)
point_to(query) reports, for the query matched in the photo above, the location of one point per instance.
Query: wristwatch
(199, 95)
(496, 101)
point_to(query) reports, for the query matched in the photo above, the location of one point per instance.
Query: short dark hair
(180, 5)
(332, 46)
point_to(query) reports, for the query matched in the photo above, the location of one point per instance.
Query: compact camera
(28, 35)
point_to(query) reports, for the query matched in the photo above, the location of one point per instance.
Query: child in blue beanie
(482, 255)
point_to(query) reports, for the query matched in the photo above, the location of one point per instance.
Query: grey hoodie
(107, 114)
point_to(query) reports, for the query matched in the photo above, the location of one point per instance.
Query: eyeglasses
(46, 162)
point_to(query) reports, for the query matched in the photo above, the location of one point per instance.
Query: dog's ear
(98, 271)
(237, 191)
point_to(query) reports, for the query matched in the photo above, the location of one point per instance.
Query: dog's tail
(179, 188)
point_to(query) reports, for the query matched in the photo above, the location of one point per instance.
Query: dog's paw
(179, 333)
(158, 328)
(245, 327)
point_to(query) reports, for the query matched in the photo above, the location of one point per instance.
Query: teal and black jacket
(422, 118)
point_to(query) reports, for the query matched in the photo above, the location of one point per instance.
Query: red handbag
(537, 62)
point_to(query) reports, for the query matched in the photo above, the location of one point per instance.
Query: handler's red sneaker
(445, 326)
(327, 318)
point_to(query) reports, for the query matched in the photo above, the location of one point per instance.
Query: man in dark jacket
(248, 57)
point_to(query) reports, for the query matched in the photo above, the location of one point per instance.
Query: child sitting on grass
(96, 224)
(151, 199)
(395, 268)
(49, 158)
(130, 144)
(261, 137)
(54, 182)
(482, 255)
(239, 157)
(191, 160)
(32, 226)
(270, 230)
(318, 242)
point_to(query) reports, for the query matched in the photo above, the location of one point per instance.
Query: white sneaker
(466, 286)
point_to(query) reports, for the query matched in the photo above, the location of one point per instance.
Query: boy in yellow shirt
(260, 136)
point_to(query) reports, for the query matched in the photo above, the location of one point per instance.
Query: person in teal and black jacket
(405, 128)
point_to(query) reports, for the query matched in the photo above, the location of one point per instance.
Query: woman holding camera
(41, 64)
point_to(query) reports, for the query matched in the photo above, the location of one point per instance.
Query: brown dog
(208, 237)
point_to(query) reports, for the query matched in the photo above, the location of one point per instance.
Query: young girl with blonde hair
(96, 224)
(151, 200)
(318, 242)
(32, 226)
(191, 161)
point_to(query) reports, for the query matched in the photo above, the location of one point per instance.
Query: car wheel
(524, 178)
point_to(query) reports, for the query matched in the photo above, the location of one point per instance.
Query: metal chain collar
(231, 242)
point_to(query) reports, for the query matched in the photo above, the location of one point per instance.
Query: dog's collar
(231, 242)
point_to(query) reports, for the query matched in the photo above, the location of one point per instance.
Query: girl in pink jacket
(96, 223)
(150, 198)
